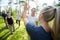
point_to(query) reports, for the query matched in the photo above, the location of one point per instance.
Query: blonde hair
(50, 13)
(56, 27)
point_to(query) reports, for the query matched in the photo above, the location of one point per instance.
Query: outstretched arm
(25, 19)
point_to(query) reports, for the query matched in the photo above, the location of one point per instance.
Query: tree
(58, 4)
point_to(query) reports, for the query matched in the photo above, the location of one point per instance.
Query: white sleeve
(36, 18)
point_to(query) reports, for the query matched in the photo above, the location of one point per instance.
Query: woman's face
(9, 14)
(41, 16)
(33, 12)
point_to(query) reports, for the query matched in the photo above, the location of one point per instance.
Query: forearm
(25, 20)
(24, 14)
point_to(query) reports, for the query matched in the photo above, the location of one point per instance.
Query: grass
(19, 34)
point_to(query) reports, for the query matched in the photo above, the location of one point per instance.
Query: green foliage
(0, 13)
(57, 4)
(13, 13)
(19, 34)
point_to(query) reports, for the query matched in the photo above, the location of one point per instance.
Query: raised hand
(26, 6)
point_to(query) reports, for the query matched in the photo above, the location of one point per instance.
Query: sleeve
(31, 28)
(36, 18)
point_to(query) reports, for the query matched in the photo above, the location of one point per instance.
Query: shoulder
(31, 27)
(29, 24)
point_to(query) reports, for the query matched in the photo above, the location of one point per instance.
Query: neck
(9, 16)
(45, 25)
(32, 15)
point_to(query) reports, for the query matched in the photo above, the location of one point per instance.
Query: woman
(4, 15)
(10, 22)
(43, 32)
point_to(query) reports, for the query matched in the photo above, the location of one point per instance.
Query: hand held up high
(26, 6)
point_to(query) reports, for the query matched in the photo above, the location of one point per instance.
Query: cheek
(41, 16)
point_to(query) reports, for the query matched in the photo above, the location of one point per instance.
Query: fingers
(26, 6)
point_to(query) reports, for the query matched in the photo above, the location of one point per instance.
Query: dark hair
(8, 12)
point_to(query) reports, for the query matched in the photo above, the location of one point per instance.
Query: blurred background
(13, 6)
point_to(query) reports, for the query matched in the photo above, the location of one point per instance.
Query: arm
(12, 17)
(25, 19)
(6, 21)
